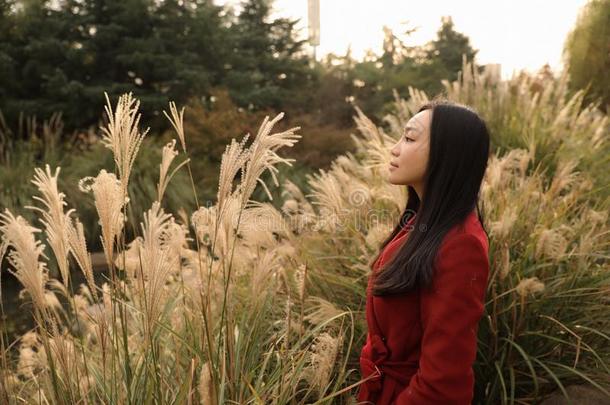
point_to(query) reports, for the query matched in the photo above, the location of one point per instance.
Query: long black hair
(459, 149)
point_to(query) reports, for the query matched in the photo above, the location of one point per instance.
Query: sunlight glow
(520, 34)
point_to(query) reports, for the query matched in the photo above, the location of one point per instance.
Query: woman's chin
(393, 180)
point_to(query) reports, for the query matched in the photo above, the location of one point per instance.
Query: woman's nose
(394, 150)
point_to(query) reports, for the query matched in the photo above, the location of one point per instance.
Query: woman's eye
(408, 139)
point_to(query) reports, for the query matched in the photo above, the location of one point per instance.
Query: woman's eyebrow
(411, 127)
(414, 123)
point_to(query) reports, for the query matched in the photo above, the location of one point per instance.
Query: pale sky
(518, 34)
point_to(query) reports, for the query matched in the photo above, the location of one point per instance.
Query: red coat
(424, 343)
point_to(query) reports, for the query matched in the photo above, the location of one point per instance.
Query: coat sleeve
(450, 315)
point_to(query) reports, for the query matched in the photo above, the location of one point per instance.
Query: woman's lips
(393, 166)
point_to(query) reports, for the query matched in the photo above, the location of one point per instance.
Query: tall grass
(545, 198)
(210, 321)
(241, 302)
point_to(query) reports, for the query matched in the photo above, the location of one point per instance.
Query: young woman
(426, 293)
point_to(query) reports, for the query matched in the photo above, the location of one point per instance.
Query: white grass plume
(177, 121)
(53, 218)
(108, 196)
(78, 247)
(122, 135)
(323, 358)
(156, 258)
(263, 156)
(205, 384)
(25, 255)
(321, 310)
(233, 159)
(167, 157)
(529, 286)
(253, 161)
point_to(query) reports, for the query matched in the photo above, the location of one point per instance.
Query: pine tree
(448, 48)
(63, 55)
(268, 66)
(587, 53)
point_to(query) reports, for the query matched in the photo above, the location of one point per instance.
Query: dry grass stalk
(529, 286)
(156, 259)
(107, 192)
(177, 121)
(122, 135)
(323, 359)
(53, 217)
(25, 255)
(78, 247)
(167, 157)
(262, 156)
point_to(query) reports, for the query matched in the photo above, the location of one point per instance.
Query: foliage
(545, 202)
(172, 310)
(586, 53)
(371, 82)
(268, 68)
(79, 155)
(243, 300)
(61, 56)
(252, 303)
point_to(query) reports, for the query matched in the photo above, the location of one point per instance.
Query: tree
(268, 67)
(8, 74)
(587, 53)
(160, 51)
(400, 66)
(62, 55)
(35, 53)
(446, 51)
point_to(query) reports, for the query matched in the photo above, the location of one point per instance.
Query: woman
(426, 293)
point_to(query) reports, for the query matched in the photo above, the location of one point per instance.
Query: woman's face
(410, 154)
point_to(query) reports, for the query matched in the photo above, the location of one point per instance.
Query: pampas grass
(538, 193)
(78, 248)
(156, 260)
(257, 305)
(529, 286)
(323, 360)
(53, 217)
(262, 156)
(107, 191)
(25, 256)
(168, 155)
(122, 135)
(177, 121)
